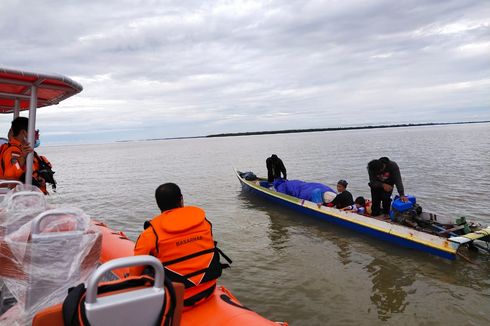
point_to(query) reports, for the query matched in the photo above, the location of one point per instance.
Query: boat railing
(25, 200)
(19, 208)
(6, 186)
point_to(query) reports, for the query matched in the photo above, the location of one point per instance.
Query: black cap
(342, 182)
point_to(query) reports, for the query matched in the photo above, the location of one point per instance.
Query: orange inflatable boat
(38, 268)
(222, 308)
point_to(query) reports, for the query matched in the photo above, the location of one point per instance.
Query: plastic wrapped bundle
(57, 250)
(6, 186)
(19, 206)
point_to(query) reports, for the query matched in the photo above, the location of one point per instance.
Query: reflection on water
(278, 232)
(278, 226)
(290, 267)
(388, 291)
(344, 251)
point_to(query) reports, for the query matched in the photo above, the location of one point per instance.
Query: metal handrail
(25, 194)
(35, 228)
(92, 284)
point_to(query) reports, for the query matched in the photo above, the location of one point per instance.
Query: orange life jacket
(185, 246)
(11, 169)
(3, 148)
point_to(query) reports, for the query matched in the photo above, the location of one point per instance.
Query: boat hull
(382, 230)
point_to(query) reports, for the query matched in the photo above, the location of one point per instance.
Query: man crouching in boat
(182, 239)
(383, 176)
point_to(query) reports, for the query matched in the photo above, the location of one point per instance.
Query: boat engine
(405, 213)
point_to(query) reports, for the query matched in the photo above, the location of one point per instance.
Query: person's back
(383, 175)
(275, 167)
(181, 238)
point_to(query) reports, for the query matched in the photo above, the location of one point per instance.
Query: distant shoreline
(291, 131)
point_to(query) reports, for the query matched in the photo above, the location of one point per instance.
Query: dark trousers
(380, 199)
(270, 176)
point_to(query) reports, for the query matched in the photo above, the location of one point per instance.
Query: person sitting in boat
(344, 197)
(358, 207)
(311, 191)
(181, 238)
(13, 155)
(384, 174)
(275, 167)
(42, 168)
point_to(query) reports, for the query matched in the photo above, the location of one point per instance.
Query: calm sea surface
(292, 267)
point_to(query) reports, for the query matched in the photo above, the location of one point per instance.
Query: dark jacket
(391, 175)
(275, 167)
(343, 199)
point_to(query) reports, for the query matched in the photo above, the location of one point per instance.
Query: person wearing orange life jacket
(42, 169)
(181, 238)
(13, 156)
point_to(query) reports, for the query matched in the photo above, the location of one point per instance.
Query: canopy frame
(21, 90)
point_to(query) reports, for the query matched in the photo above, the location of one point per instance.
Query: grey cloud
(210, 67)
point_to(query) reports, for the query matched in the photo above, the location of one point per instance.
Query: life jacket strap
(193, 255)
(212, 272)
(147, 225)
(228, 259)
(200, 296)
(197, 254)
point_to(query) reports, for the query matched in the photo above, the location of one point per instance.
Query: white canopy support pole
(31, 133)
(16, 108)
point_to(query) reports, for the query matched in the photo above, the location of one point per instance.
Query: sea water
(291, 267)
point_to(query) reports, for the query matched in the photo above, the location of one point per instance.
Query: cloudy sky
(185, 68)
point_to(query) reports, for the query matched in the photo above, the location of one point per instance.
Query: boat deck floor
(384, 218)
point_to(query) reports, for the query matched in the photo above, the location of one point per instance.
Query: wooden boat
(40, 264)
(437, 235)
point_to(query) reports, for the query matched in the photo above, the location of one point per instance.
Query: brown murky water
(292, 267)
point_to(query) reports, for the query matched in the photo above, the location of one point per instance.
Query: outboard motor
(405, 213)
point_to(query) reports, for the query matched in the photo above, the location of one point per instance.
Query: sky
(157, 69)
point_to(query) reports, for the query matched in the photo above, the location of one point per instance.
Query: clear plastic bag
(56, 250)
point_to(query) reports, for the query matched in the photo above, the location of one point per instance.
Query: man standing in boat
(383, 176)
(275, 167)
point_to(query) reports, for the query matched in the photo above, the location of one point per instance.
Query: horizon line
(288, 131)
